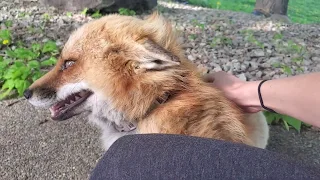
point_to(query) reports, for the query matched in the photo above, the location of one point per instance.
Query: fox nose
(27, 93)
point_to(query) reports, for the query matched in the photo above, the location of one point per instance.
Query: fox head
(125, 61)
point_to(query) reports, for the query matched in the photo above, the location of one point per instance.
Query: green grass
(299, 11)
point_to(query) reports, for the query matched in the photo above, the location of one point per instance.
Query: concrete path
(34, 147)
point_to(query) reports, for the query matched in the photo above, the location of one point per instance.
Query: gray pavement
(34, 147)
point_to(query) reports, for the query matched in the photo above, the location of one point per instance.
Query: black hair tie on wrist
(260, 97)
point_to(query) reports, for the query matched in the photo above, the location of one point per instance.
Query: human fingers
(211, 77)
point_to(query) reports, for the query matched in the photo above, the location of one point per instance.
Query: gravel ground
(248, 46)
(242, 44)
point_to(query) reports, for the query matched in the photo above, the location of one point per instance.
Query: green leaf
(13, 73)
(125, 11)
(297, 59)
(299, 69)
(18, 64)
(96, 14)
(271, 117)
(36, 47)
(36, 75)
(277, 36)
(8, 23)
(49, 62)
(5, 94)
(17, 83)
(5, 34)
(4, 63)
(17, 74)
(22, 53)
(9, 84)
(293, 122)
(26, 71)
(10, 73)
(84, 11)
(21, 85)
(276, 65)
(46, 16)
(287, 70)
(69, 14)
(49, 46)
(286, 125)
(20, 43)
(34, 64)
(24, 86)
(10, 53)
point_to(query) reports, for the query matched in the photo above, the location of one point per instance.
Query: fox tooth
(82, 93)
(77, 98)
(71, 101)
(52, 112)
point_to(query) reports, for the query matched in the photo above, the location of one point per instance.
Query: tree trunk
(269, 7)
(107, 5)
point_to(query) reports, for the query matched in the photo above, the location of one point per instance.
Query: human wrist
(248, 95)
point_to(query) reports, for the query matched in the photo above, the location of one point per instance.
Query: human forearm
(296, 96)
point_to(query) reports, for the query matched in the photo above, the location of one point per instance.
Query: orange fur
(196, 109)
(112, 56)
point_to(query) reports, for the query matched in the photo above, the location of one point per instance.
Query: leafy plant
(294, 47)
(127, 12)
(192, 36)
(277, 36)
(294, 50)
(221, 40)
(20, 66)
(48, 47)
(46, 16)
(84, 11)
(8, 23)
(198, 24)
(22, 14)
(96, 14)
(249, 36)
(69, 14)
(5, 37)
(287, 121)
(286, 69)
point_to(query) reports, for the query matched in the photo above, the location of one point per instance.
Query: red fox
(133, 76)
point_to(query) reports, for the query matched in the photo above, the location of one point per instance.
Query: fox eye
(67, 64)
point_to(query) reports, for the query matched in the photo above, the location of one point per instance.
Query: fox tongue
(55, 109)
(58, 106)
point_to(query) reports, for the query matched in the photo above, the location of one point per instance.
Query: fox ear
(156, 57)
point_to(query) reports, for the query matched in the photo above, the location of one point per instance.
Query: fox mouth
(61, 109)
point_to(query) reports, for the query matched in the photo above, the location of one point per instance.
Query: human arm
(296, 96)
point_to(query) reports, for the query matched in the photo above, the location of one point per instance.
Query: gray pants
(175, 157)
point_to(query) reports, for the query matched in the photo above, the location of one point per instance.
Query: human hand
(243, 93)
